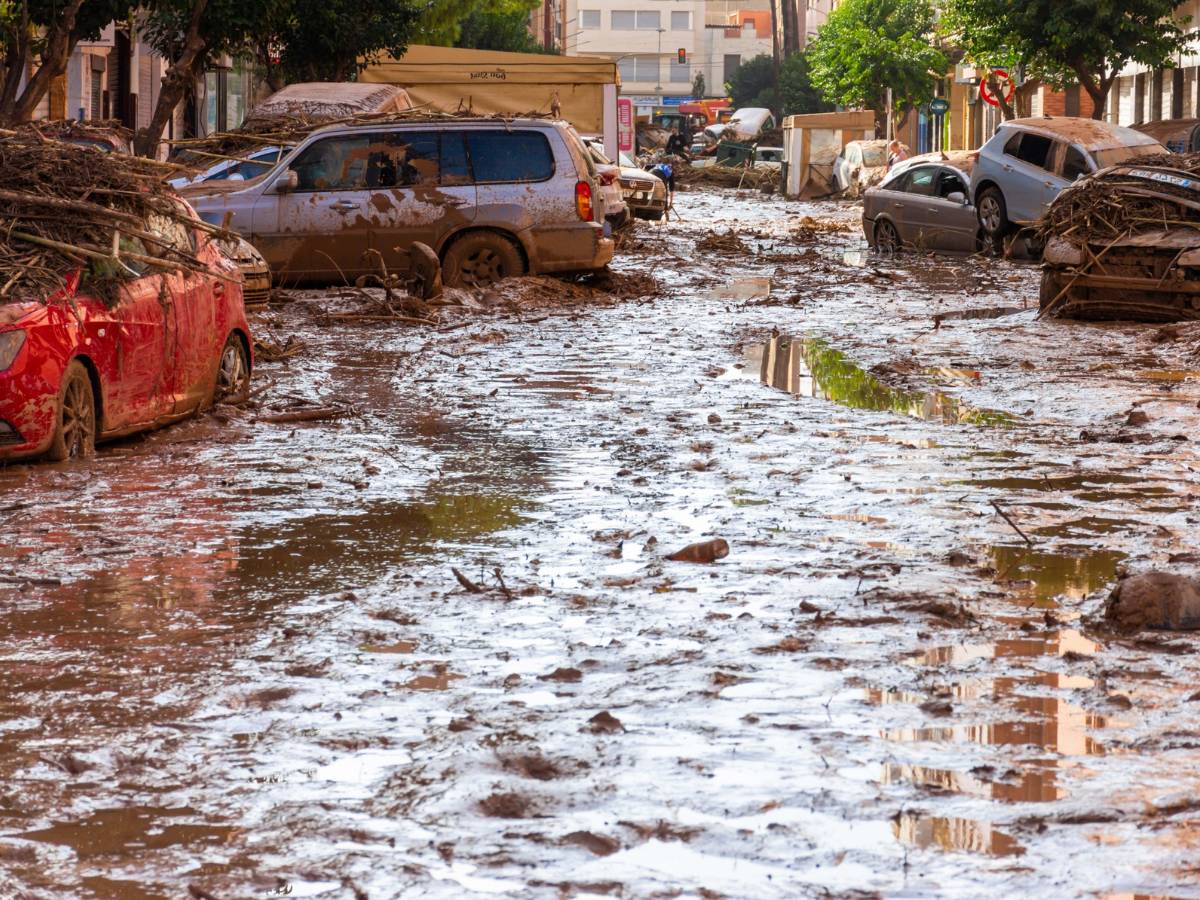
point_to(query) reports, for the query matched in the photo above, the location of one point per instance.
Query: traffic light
(683, 56)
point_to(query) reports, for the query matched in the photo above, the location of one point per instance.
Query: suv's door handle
(343, 205)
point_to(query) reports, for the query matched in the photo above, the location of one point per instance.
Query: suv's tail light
(583, 201)
(607, 178)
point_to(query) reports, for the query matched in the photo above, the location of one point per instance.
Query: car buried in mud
(493, 197)
(1124, 244)
(923, 205)
(77, 368)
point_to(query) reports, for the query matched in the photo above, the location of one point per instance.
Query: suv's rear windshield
(506, 156)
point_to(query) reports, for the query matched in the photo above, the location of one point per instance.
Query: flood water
(434, 648)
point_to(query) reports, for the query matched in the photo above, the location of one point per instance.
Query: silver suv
(493, 198)
(1028, 161)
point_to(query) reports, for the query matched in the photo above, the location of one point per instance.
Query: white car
(860, 165)
(768, 157)
(257, 163)
(643, 193)
(616, 211)
(746, 124)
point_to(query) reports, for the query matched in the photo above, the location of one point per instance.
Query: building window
(628, 20)
(589, 19)
(680, 74)
(733, 62)
(639, 68)
(681, 21)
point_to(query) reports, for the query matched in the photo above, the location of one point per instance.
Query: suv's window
(506, 156)
(334, 164)
(1074, 164)
(403, 159)
(921, 181)
(1013, 144)
(455, 169)
(1036, 150)
(948, 182)
(248, 170)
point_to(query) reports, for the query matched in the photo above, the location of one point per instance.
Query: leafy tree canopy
(753, 84)
(868, 46)
(1062, 41)
(499, 30)
(797, 95)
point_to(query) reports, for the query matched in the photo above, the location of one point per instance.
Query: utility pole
(658, 87)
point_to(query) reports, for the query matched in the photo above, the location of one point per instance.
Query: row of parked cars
(971, 200)
(493, 198)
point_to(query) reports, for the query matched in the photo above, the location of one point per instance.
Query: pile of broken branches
(66, 209)
(1114, 203)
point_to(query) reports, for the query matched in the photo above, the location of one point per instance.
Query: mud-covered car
(645, 193)
(256, 274)
(493, 198)
(1124, 244)
(922, 204)
(1177, 135)
(1027, 162)
(77, 368)
(616, 211)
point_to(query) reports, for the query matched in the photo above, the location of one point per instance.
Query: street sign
(939, 106)
(1007, 87)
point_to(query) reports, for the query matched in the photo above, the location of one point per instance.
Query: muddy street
(433, 646)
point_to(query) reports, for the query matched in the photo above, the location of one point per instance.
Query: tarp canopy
(492, 81)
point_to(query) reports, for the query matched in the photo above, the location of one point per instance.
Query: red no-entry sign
(1007, 87)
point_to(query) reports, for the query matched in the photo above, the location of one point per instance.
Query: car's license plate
(1167, 178)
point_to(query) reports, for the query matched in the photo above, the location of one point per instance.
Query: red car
(75, 371)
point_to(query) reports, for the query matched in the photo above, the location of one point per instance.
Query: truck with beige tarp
(579, 89)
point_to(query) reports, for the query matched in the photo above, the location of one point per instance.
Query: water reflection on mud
(1038, 577)
(1030, 785)
(966, 835)
(810, 368)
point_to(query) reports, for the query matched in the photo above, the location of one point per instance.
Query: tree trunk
(60, 42)
(16, 59)
(174, 84)
(1097, 88)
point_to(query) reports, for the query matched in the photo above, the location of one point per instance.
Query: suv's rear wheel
(75, 430)
(233, 373)
(480, 259)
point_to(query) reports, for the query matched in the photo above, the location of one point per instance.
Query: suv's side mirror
(957, 197)
(287, 182)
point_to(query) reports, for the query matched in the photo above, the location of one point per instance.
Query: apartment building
(645, 37)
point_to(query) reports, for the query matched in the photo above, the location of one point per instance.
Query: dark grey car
(923, 205)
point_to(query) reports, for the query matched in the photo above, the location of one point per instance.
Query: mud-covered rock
(1155, 600)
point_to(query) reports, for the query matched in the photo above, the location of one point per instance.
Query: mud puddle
(810, 368)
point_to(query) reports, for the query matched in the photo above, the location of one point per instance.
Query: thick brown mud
(433, 646)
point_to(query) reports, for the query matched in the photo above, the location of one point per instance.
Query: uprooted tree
(868, 46)
(44, 33)
(1059, 42)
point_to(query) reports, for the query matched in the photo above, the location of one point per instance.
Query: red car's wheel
(75, 432)
(233, 374)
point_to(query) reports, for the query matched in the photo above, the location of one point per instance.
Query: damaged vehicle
(1177, 135)
(1124, 244)
(493, 197)
(124, 345)
(860, 165)
(923, 205)
(1025, 165)
(616, 211)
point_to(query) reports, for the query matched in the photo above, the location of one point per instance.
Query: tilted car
(493, 198)
(1027, 162)
(1177, 135)
(922, 204)
(75, 369)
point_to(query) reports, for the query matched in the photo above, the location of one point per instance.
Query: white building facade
(645, 37)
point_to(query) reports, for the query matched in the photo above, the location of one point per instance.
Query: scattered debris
(702, 552)
(1155, 600)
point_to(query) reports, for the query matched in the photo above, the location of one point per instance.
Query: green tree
(1062, 41)
(46, 31)
(333, 40)
(503, 30)
(192, 34)
(753, 84)
(797, 96)
(698, 86)
(868, 46)
(442, 21)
